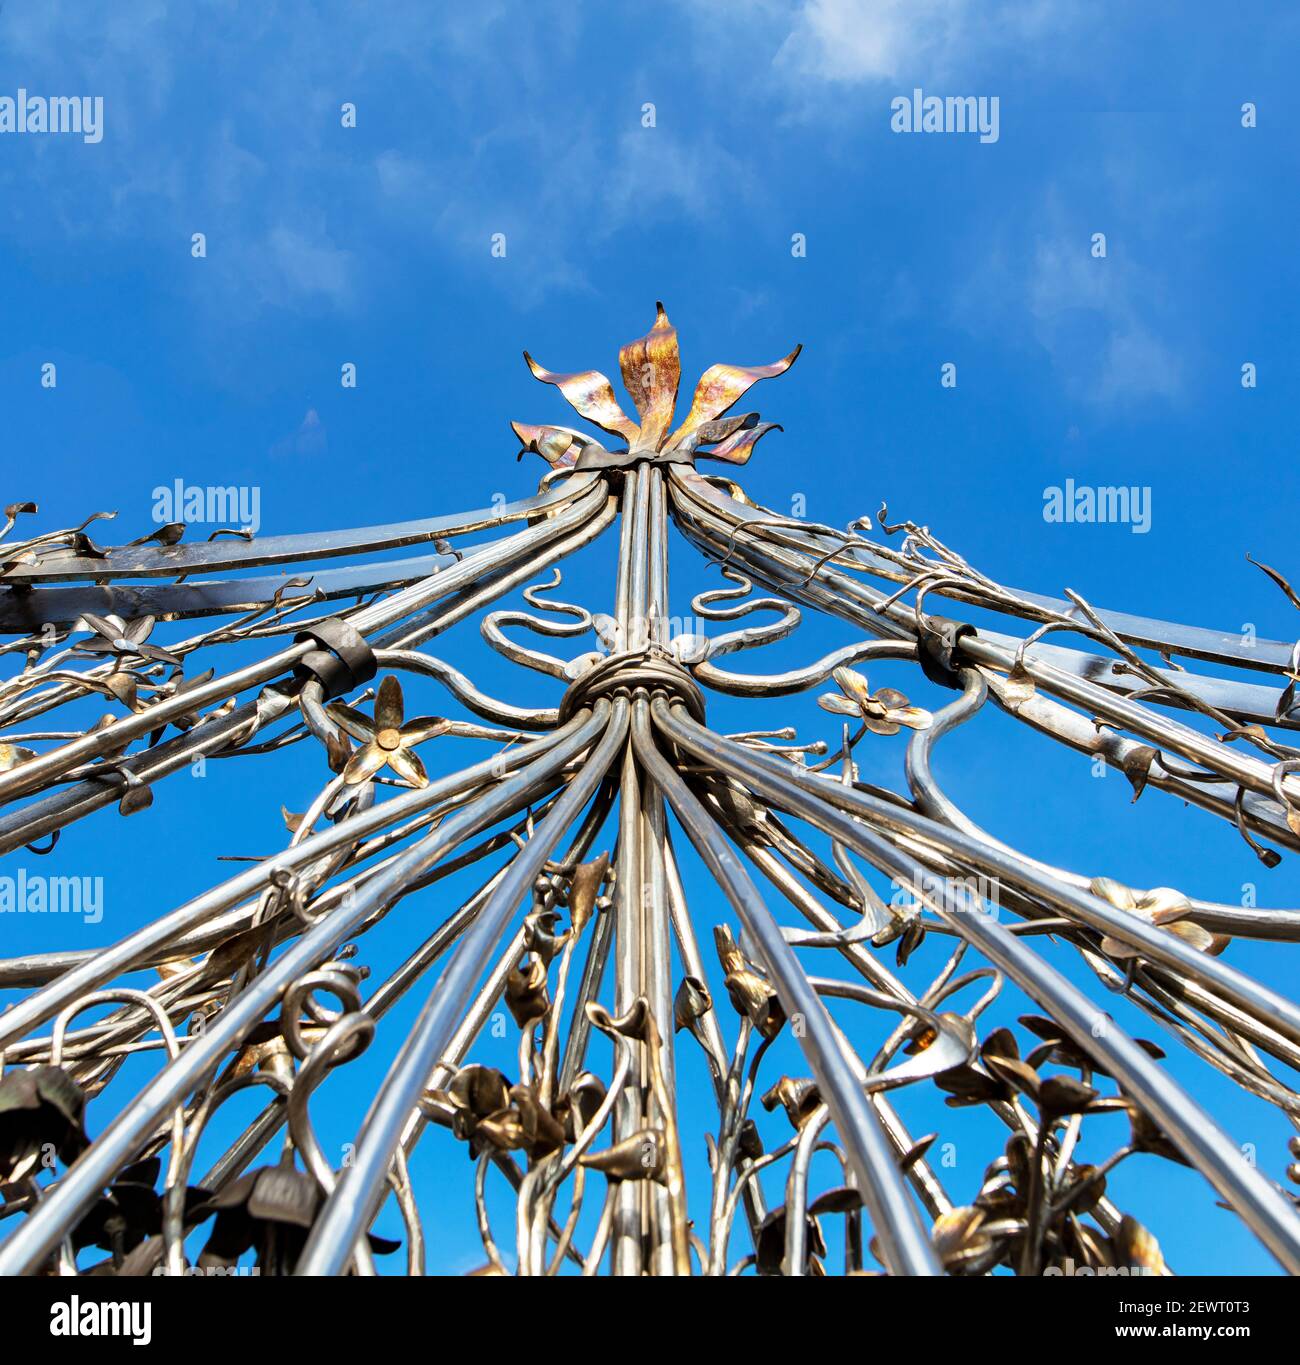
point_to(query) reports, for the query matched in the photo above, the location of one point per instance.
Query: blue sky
(372, 245)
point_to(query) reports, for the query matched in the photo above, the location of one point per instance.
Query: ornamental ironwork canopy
(582, 819)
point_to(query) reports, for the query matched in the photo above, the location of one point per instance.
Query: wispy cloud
(1105, 322)
(228, 122)
(1104, 310)
(570, 197)
(308, 440)
(657, 173)
(818, 49)
(230, 125)
(853, 41)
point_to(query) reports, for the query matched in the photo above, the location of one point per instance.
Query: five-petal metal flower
(882, 712)
(385, 739)
(651, 369)
(113, 635)
(1163, 907)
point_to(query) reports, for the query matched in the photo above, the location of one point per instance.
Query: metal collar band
(628, 672)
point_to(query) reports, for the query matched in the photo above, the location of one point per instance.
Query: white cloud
(1075, 297)
(1102, 321)
(656, 174)
(310, 266)
(308, 440)
(866, 40)
(225, 119)
(820, 47)
(1137, 364)
(556, 199)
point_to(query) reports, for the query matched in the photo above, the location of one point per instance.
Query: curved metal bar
(355, 1199)
(905, 1247)
(169, 560)
(535, 659)
(799, 679)
(1088, 910)
(1193, 642)
(26, 1249)
(493, 632)
(35, 608)
(750, 637)
(136, 948)
(1267, 1212)
(1277, 924)
(490, 708)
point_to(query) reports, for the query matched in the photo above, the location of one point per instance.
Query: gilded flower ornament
(387, 740)
(651, 370)
(1163, 908)
(882, 712)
